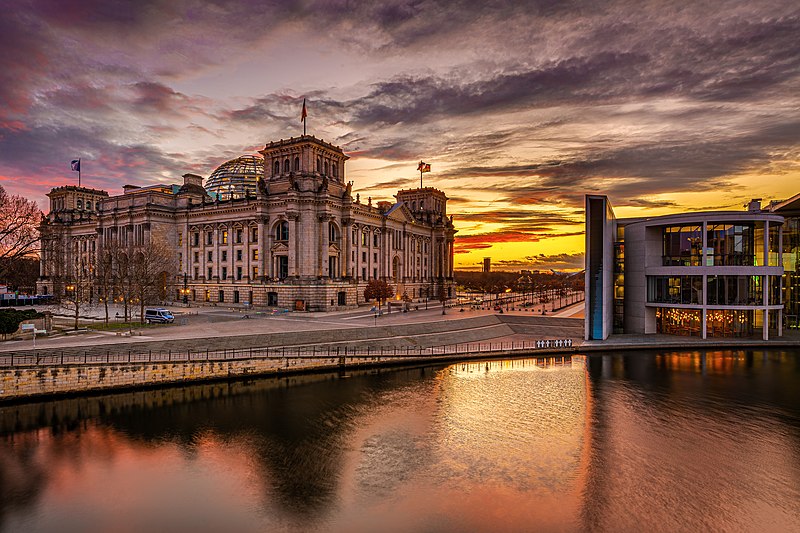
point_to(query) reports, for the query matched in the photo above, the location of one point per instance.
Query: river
(644, 441)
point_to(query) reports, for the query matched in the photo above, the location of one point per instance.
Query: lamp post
(185, 289)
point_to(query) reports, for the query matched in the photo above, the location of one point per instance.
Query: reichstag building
(283, 229)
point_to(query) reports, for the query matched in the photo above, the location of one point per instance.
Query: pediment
(280, 247)
(400, 212)
(334, 248)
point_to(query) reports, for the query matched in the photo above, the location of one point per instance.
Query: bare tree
(77, 293)
(19, 233)
(104, 276)
(152, 267)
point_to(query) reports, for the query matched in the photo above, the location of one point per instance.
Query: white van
(159, 315)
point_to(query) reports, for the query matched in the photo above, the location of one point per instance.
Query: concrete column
(704, 304)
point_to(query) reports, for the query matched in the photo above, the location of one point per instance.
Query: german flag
(424, 167)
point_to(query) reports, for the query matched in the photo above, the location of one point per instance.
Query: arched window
(326, 168)
(413, 206)
(333, 235)
(80, 204)
(286, 166)
(421, 205)
(88, 205)
(334, 171)
(319, 164)
(282, 231)
(276, 168)
(296, 164)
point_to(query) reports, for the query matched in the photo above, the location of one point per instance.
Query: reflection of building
(282, 229)
(702, 274)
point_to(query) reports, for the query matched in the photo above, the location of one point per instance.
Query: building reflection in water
(672, 441)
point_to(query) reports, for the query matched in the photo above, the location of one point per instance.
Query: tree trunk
(105, 302)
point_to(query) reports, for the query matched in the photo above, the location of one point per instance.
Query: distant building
(487, 264)
(705, 274)
(279, 229)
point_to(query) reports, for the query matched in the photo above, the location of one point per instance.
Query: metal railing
(331, 353)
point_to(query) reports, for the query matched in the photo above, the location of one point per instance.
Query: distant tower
(487, 264)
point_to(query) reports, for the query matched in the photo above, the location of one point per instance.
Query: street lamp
(185, 290)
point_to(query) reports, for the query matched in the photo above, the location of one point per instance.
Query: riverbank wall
(86, 370)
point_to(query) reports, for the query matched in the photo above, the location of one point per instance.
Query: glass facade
(685, 322)
(675, 289)
(683, 245)
(731, 244)
(736, 290)
(791, 266)
(730, 323)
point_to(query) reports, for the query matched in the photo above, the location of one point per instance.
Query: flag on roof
(304, 114)
(75, 164)
(424, 167)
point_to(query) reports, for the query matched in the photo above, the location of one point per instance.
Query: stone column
(294, 239)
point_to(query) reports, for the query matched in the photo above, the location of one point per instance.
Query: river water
(638, 442)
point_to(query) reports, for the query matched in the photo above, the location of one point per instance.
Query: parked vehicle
(158, 315)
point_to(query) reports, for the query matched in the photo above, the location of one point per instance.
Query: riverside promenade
(222, 344)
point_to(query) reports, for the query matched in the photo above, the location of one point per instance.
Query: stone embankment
(75, 370)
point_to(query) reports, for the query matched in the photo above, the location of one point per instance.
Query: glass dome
(236, 178)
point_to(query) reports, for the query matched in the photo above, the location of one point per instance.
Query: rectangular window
(236, 297)
(283, 266)
(238, 236)
(197, 257)
(363, 273)
(255, 255)
(210, 273)
(221, 296)
(375, 273)
(364, 239)
(210, 256)
(682, 245)
(209, 237)
(238, 255)
(195, 239)
(224, 272)
(364, 257)
(254, 235)
(180, 239)
(196, 272)
(224, 255)
(375, 240)
(224, 237)
(375, 257)
(238, 273)
(272, 299)
(342, 297)
(255, 272)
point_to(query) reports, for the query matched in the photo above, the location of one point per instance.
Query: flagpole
(420, 179)
(79, 173)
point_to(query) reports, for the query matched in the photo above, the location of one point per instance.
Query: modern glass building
(237, 178)
(707, 274)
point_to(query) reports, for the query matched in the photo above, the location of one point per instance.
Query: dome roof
(236, 178)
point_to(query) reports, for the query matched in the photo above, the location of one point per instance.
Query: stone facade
(300, 242)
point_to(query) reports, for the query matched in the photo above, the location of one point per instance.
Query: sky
(520, 107)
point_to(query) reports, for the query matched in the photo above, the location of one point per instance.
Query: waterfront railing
(340, 353)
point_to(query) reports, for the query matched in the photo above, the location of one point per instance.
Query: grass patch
(118, 326)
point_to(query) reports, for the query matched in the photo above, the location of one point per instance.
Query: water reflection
(669, 441)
